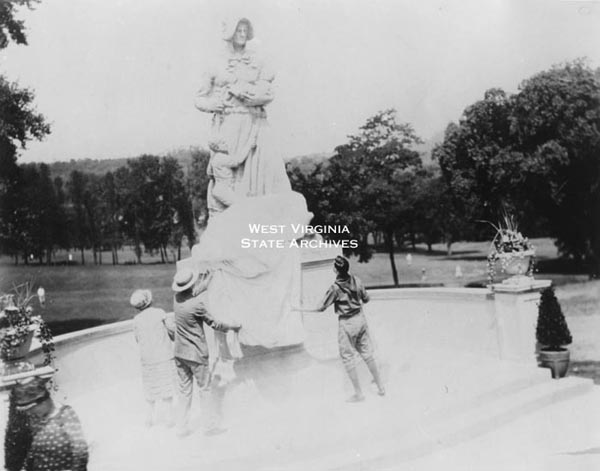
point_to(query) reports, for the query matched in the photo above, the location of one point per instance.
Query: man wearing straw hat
(191, 349)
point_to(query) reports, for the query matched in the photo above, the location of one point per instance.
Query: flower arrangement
(18, 325)
(508, 246)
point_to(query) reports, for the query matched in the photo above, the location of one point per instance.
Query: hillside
(184, 156)
(102, 166)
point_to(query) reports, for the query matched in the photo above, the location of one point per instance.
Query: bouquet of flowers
(18, 325)
(510, 246)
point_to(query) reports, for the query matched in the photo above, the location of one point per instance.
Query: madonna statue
(252, 209)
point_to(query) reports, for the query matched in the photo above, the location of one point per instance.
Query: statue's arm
(206, 100)
(329, 298)
(259, 94)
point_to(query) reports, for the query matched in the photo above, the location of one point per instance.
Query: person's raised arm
(364, 296)
(169, 323)
(328, 300)
(202, 313)
(215, 324)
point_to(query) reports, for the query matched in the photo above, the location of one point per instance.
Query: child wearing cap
(151, 328)
(347, 294)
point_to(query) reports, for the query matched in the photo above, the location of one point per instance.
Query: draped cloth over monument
(256, 286)
(248, 188)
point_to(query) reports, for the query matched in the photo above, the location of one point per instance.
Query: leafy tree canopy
(535, 154)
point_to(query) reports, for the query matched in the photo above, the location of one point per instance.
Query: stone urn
(556, 360)
(15, 345)
(516, 264)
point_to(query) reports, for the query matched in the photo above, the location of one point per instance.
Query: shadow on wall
(71, 325)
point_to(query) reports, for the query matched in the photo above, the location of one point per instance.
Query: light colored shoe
(356, 398)
(182, 433)
(215, 431)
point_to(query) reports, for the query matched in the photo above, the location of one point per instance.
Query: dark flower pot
(13, 347)
(556, 360)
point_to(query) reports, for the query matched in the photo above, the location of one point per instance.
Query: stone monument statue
(253, 213)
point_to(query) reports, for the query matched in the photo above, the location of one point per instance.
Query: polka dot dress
(58, 444)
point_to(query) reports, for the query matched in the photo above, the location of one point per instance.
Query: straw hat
(184, 280)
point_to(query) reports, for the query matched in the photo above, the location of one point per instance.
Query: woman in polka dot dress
(57, 443)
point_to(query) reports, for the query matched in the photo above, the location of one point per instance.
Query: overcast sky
(116, 78)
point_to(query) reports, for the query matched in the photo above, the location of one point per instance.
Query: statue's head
(239, 32)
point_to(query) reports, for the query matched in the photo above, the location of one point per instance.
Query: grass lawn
(80, 296)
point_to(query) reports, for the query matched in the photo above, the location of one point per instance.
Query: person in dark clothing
(56, 441)
(191, 349)
(347, 294)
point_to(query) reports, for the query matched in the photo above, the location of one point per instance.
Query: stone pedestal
(313, 274)
(317, 274)
(516, 311)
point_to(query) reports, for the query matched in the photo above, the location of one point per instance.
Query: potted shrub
(552, 334)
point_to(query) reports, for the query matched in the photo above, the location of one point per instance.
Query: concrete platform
(447, 407)
(472, 413)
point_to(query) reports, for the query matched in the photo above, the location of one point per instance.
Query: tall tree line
(148, 203)
(534, 154)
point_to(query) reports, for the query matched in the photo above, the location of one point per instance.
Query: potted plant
(514, 251)
(18, 326)
(552, 334)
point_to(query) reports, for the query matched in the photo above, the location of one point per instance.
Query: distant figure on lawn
(153, 328)
(347, 295)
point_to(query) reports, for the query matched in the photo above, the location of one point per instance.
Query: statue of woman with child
(248, 187)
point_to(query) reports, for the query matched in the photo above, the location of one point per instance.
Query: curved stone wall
(442, 318)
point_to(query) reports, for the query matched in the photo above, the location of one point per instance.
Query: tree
(535, 155)
(10, 27)
(156, 208)
(50, 212)
(112, 199)
(141, 198)
(310, 183)
(77, 186)
(95, 215)
(175, 216)
(370, 181)
(556, 119)
(198, 185)
(479, 162)
(19, 123)
(552, 329)
(61, 234)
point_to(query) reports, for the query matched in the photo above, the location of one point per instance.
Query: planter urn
(556, 360)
